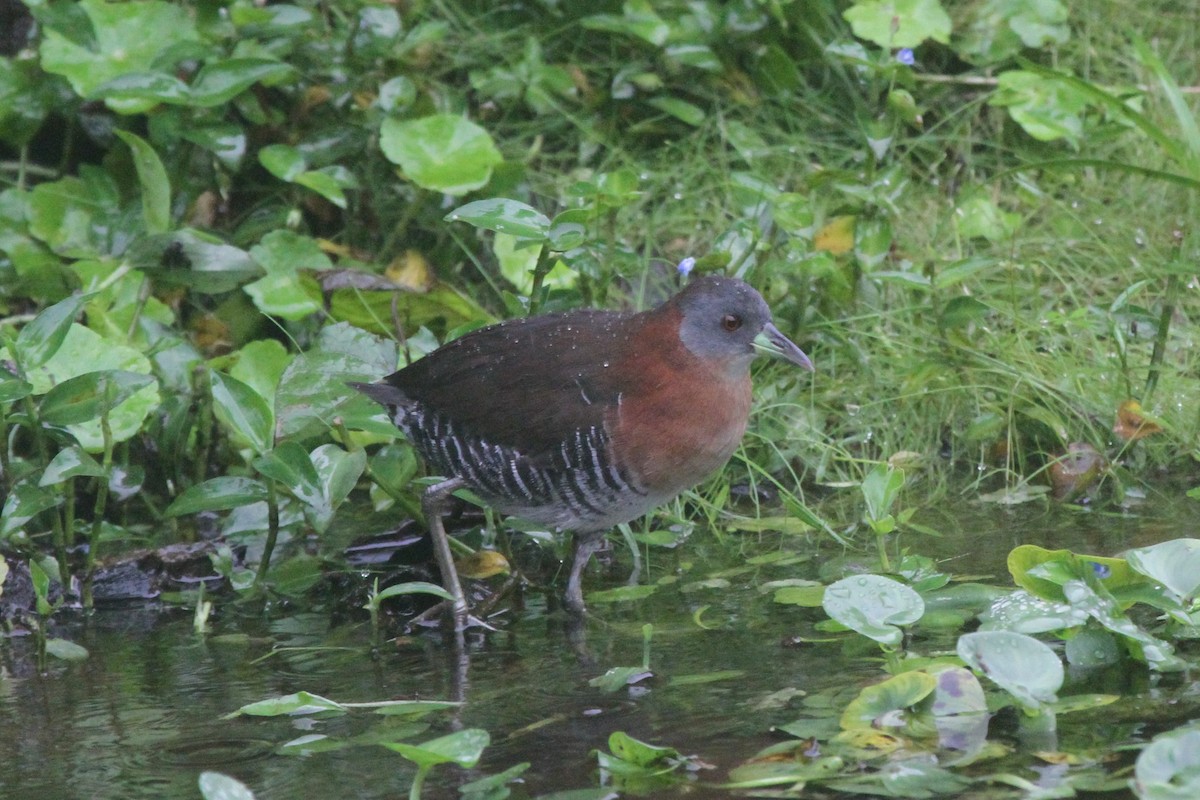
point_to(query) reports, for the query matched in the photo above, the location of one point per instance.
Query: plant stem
(540, 270)
(89, 571)
(414, 791)
(1160, 337)
(272, 532)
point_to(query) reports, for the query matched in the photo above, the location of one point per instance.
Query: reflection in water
(143, 716)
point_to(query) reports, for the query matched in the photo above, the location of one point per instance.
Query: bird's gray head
(726, 320)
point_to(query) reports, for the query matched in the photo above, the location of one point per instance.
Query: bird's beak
(772, 342)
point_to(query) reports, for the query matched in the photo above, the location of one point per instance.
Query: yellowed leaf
(411, 271)
(837, 236)
(483, 564)
(1133, 423)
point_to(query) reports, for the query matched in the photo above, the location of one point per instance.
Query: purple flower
(905, 56)
(685, 266)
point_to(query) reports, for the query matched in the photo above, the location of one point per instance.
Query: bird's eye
(731, 322)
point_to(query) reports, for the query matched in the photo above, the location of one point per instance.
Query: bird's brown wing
(526, 384)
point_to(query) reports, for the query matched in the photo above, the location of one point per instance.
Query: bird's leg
(433, 503)
(584, 545)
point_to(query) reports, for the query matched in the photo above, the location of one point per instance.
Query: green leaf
(220, 82)
(87, 397)
(136, 36)
(323, 184)
(44, 335)
(873, 606)
(463, 747)
(1047, 109)
(876, 704)
(156, 188)
(83, 351)
(215, 786)
(218, 494)
(13, 388)
(411, 587)
(65, 650)
(1169, 767)
(70, 462)
(289, 464)
(338, 471)
(639, 20)
(298, 704)
(283, 161)
(23, 503)
(1020, 665)
(637, 752)
(243, 411)
(1175, 564)
(683, 111)
(880, 488)
(503, 216)
(899, 23)
(443, 152)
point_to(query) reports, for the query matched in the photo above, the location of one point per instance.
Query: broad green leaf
(283, 161)
(1020, 665)
(463, 747)
(243, 411)
(39, 340)
(70, 462)
(13, 388)
(873, 606)
(637, 752)
(1046, 109)
(1174, 564)
(877, 705)
(291, 296)
(135, 36)
(325, 184)
(503, 216)
(156, 188)
(259, 364)
(899, 23)
(23, 503)
(1169, 767)
(338, 470)
(155, 87)
(220, 82)
(91, 395)
(218, 494)
(193, 259)
(443, 152)
(84, 351)
(289, 464)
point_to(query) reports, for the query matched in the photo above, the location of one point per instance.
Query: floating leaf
(1174, 564)
(873, 606)
(1020, 665)
(463, 747)
(1169, 767)
(879, 705)
(215, 786)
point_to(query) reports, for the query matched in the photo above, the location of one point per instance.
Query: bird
(586, 419)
